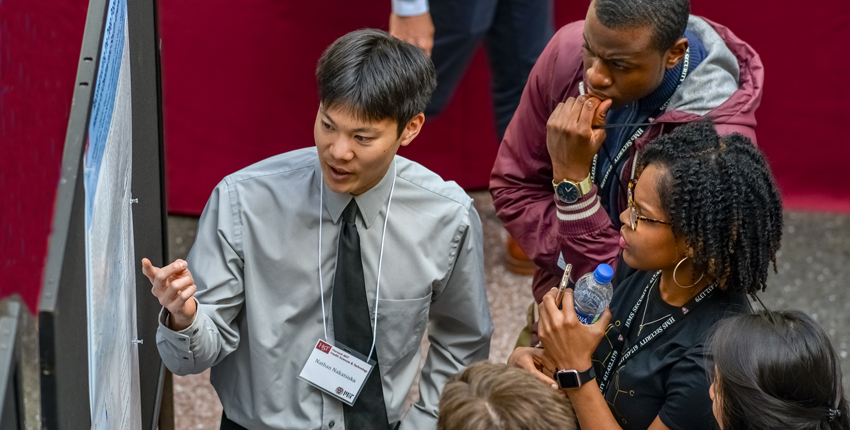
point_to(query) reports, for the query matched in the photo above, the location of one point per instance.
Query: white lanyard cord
(380, 259)
(380, 262)
(322, 287)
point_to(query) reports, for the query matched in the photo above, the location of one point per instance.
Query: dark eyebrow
(586, 44)
(618, 57)
(358, 130)
(327, 117)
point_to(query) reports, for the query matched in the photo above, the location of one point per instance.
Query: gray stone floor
(813, 273)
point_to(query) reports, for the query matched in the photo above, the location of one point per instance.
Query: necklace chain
(643, 318)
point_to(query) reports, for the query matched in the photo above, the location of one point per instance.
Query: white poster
(111, 293)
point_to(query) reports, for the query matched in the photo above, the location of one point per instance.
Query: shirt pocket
(400, 327)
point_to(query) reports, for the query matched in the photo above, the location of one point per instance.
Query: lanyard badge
(337, 370)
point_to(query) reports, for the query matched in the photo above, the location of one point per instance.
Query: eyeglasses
(633, 215)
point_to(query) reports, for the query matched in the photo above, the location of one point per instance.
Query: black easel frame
(63, 331)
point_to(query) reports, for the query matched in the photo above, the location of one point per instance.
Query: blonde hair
(489, 396)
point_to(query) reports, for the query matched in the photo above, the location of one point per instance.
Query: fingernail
(554, 385)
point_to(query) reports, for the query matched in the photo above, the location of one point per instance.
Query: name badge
(338, 371)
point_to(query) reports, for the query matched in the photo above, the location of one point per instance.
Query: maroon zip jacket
(521, 181)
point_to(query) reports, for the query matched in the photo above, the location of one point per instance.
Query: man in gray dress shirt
(261, 299)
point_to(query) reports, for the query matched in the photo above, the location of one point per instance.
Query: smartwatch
(570, 192)
(568, 379)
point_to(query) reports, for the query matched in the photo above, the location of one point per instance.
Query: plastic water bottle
(593, 293)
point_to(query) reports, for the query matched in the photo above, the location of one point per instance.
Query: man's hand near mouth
(570, 138)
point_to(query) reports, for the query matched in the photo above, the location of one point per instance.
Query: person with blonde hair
(489, 396)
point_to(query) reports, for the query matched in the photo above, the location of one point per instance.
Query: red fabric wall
(801, 128)
(39, 49)
(238, 87)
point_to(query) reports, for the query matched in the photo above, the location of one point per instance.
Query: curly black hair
(720, 195)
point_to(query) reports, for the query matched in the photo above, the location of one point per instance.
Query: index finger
(568, 305)
(548, 310)
(548, 305)
(588, 112)
(601, 113)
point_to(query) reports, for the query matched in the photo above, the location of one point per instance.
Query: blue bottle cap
(603, 273)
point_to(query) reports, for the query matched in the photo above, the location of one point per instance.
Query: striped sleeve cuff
(584, 216)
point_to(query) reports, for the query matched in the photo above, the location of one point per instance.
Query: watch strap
(583, 377)
(583, 186)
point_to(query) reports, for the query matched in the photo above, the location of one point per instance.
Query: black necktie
(352, 326)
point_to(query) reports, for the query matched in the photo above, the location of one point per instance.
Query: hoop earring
(677, 282)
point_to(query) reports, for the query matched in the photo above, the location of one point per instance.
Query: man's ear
(676, 53)
(411, 130)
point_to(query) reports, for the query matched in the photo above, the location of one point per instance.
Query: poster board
(113, 356)
(97, 319)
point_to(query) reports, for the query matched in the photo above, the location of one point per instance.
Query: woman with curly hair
(703, 224)
(776, 370)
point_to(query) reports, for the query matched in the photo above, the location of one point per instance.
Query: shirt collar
(370, 203)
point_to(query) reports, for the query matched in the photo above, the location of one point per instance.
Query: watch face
(567, 192)
(568, 379)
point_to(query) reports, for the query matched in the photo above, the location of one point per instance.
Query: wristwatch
(568, 379)
(569, 192)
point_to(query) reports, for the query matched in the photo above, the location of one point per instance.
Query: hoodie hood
(726, 86)
(713, 81)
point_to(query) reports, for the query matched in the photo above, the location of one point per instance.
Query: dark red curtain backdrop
(39, 49)
(238, 87)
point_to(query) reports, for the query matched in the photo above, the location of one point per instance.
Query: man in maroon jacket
(601, 89)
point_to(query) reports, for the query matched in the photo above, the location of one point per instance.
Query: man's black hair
(376, 77)
(719, 194)
(668, 18)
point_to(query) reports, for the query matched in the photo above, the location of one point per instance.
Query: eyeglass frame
(633, 215)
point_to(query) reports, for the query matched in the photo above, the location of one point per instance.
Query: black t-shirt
(666, 378)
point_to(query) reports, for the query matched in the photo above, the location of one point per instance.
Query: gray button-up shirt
(255, 262)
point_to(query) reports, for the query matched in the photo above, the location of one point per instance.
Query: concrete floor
(813, 269)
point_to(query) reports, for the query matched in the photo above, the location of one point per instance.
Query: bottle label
(586, 319)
